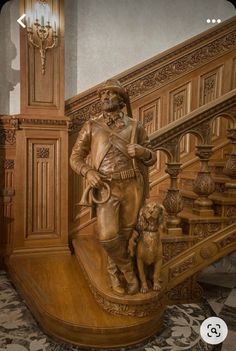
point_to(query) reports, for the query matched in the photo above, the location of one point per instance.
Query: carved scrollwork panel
(184, 64)
(203, 230)
(227, 241)
(181, 267)
(172, 249)
(187, 290)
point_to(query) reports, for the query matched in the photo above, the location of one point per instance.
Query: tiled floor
(20, 332)
(220, 292)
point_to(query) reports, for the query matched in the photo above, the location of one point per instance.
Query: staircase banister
(195, 118)
(199, 256)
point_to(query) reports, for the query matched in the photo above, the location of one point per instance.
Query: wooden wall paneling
(43, 196)
(42, 93)
(150, 117)
(210, 85)
(7, 188)
(41, 189)
(234, 74)
(179, 106)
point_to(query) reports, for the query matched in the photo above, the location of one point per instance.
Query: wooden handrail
(221, 106)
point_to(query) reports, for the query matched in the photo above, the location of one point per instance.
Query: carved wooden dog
(151, 224)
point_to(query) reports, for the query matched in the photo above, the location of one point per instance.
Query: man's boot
(113, 275)
(130, 277)
(118, 252)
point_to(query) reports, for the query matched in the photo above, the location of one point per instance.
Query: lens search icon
(213, 330)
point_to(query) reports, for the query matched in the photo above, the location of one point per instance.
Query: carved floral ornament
(178, 100)
(42, 152)
(148, 117)
(182, 267)
(209, 84)
(7, 136)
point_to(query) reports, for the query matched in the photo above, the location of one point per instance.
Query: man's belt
(122, 175)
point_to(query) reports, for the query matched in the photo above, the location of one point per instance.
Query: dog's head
(152, 216)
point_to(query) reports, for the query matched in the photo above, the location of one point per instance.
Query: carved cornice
(160, 70)
(181, 66)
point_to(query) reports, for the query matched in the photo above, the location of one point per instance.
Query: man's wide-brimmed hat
(115, 85)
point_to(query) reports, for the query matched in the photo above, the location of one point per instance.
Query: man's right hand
(93, 178)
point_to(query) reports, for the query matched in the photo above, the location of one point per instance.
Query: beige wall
(106, 37)
(9, 59)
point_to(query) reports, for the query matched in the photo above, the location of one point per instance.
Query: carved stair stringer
(177, 270)
(199, 256)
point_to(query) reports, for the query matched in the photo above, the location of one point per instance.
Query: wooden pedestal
(58, 295)
(93, 261)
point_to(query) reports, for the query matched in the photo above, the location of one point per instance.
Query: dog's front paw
(156, 286)
(144, 288)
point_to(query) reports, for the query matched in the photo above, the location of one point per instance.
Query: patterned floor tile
(231, 299)
(229, 342)
(228, 314)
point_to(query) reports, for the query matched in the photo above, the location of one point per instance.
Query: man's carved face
(111, 101)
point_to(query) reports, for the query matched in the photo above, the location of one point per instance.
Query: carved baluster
(230, 166)
(204, 184)
(173, 201)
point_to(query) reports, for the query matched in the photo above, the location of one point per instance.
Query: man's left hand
(135, 150)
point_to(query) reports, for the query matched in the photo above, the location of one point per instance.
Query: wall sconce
(41, 34)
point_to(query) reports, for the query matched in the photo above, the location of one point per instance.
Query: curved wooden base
(58, 295)
(93, 261)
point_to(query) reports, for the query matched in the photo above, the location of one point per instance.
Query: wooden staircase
(180, 96)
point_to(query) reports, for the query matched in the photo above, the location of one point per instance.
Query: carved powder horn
(85, 200)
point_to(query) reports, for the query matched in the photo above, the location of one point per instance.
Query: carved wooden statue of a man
(120, 154)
